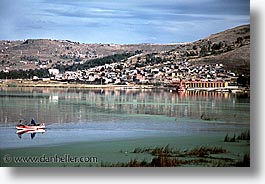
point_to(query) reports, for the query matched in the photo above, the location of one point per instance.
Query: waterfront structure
(198, 84)
(206, 84)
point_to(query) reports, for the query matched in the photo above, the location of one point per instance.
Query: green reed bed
(167, 156)
(243, 136)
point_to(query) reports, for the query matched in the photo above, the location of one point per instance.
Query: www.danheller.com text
(66, 158)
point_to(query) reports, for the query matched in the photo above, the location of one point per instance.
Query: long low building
(206, 84)
(199, 84)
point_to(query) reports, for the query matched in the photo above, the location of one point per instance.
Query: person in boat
(33, 123)
(21, 123)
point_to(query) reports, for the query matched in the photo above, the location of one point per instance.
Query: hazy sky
(120, 21)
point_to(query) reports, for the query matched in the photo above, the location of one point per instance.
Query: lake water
(82, 115)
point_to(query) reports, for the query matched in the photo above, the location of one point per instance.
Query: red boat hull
(31, 127)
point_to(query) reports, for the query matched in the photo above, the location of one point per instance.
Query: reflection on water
(51, 105)
(73, 115)
(31, 132)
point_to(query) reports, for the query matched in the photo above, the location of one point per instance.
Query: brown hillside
(230, 47)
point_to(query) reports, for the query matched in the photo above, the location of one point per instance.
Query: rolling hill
(230, 47)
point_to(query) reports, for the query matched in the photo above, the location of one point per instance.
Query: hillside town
(167, 73)
(218, 62)
(156, 69)
(128, 72)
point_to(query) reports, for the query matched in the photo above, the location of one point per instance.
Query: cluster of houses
(164, 73)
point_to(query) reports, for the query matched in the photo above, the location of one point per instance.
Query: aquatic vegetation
(207, 117)
(168, 156)
(158, 151)
(245, 162)
(245, 135)
(164, 161)
(142, 150)
(230, 139)
(169, 151)
(204, 151)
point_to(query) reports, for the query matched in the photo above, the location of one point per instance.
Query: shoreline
(58, 84)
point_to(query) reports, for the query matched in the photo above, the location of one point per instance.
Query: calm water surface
(74, 115)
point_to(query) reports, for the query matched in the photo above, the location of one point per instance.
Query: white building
(53, 71)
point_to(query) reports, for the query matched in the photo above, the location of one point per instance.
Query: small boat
(30, 127)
